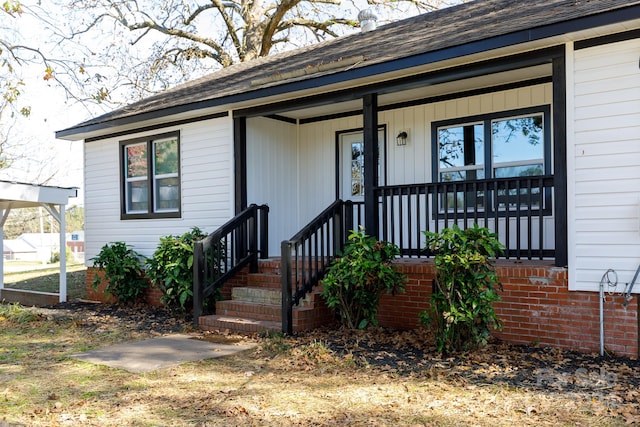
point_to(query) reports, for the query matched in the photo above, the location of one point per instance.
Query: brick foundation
(536, 308)
(152, 294)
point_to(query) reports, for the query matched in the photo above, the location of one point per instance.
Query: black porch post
(370, 118)
(240, 162)
(240, 174)
(560, 159)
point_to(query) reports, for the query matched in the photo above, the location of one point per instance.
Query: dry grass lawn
(284, 382)
(47, 279)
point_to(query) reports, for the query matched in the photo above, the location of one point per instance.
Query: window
(503, 145)
(150, 177)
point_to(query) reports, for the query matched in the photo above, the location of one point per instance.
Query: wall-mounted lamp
(401, 139)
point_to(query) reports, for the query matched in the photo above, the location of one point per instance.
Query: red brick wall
(401, 311)
(152, 294)
(536, 308)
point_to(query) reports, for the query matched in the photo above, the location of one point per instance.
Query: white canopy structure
(16, 195)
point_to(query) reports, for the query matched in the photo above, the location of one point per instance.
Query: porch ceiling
(496, 79)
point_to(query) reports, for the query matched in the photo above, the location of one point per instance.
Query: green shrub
(171, 268)
(356, 280)
(55, 256)
(461, 309)
(122, 268)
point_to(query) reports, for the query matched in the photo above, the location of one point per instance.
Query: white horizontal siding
(604, 177)
(206, 187)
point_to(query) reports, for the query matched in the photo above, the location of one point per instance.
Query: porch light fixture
(401, 139)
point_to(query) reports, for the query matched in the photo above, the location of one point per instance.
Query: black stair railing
(307, 255)
(226, 251)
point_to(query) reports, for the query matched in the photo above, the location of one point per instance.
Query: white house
(19, 250)
(523, 117)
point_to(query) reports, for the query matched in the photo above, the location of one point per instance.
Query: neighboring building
(19, 250)
(521, 116)
(41, 246)
(75, 243)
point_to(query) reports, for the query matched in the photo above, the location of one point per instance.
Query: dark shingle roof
(428, 33)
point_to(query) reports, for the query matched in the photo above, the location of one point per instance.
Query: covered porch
(291, 156)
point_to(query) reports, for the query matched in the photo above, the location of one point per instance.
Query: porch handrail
(513, 208)
(217, 257)
(306, 256)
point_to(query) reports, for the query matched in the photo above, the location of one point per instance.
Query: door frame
(382, 147)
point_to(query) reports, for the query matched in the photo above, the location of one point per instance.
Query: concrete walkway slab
(157, 353)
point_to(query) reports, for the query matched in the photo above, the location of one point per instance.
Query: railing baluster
(392, 218)
(506, 220)
(465, 204)
(529, 216)
(542, 190)
(518, 218)
(400, 241)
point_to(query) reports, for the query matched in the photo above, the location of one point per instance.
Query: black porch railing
(306, 256)
(226, 251)
(518, 210)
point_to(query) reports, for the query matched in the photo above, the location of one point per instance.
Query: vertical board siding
(317, 171)
(206, 186)
(271, 175)
(606, 176)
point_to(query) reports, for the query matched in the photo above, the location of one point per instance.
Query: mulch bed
(138, 318)
(615, 380)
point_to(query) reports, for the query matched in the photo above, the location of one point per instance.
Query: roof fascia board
(475, 69)
(608, 39)
(519, 37)
(158, 126)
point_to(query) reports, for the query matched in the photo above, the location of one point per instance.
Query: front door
(351, 164)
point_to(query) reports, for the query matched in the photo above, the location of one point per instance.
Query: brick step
(257, 295)
(251, 310)
(264, 280)
(269, 266)
(237, 324)
(255, 305)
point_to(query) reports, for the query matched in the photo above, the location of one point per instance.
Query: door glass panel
(357, 169)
